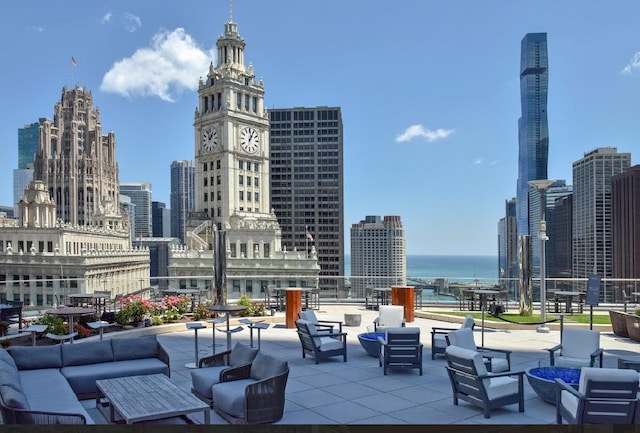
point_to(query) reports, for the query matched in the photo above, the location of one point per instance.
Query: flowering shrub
(173, 307)
(181, 303)
(201, 312)
(134, 308)
(254, 308)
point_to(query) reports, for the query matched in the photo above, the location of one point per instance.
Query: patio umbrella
(220, 266)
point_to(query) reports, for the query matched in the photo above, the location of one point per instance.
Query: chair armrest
(216, 360)
(490, 349)
(552, 351)
(329, 334)
(242, 371)
(596, 354)
(163, 355)
(561, 385)
(336, 322)
(265, 398)
(490, 375)
(439, 330)
(24, 416)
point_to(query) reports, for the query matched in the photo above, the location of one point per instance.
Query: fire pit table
(543, 380)
(369, 342)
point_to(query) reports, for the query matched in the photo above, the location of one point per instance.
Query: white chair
(604, 396)
(321, 325)
(496, 360)
(389, 316)
(578, 348)
(439, 336)
(471, 382)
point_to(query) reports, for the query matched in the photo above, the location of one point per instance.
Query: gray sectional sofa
(43, 385)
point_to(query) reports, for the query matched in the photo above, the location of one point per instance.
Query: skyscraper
(73, 143)
(592, 224)
(508, 247)
(378, 253)
(140, 194)
(533, 132)
(625, 201)
(160, 220)
(307, 188)
(182, 196)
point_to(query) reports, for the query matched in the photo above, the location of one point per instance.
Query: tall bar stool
(214, 322)
(195, 326)
(100, 325)
(259, 325)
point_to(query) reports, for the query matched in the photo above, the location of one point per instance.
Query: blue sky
(429, 91)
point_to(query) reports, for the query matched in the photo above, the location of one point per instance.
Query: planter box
(633, 326)
(619, 323)
(352, 319)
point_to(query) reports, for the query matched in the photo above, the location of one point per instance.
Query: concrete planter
(633, 326)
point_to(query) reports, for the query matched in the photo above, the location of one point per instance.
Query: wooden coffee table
(144, 398)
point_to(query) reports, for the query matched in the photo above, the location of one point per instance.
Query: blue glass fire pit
(369, 342)
(542, 380)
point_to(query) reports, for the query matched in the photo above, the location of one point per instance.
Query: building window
(219, 195)
(246, 102)
(240, 164)
(256, 196)
(241, 195)
(218, 164)
(232, 249)
(248, 181)
(267, 250)
(218, 180)
(243, 250)
(248, 196)
(205, 181)
(240, 180)
(255, 104)
(238, 100)
(219, 211)
(255, 182)
(204, 166)
(256, 167)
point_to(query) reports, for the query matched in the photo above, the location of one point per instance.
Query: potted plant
(633, 325)
(134, 309)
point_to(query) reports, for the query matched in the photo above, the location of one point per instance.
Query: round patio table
(226, 309)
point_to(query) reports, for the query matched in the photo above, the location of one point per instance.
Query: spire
(230, 11)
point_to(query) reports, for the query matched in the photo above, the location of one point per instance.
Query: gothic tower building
(76, 161)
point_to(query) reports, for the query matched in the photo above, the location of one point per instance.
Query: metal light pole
(542, 185)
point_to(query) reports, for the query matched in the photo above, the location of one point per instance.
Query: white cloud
(132, 22)
(634, 63)
(477, 161)
(37, 29)
(420, 131)
(107, 17)
(171, 64)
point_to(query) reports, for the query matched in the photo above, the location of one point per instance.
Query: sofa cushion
(264, 366)
(134, 348)
(6, 357)
(30, 357)
(9, 376)
(230, 397)
(86, 353)
(202, 379)
(82, 378)
(13, 398)
(47, 390)
(242, 354)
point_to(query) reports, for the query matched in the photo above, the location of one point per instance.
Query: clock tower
(231, 136)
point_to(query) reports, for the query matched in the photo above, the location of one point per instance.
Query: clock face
(209, 138)
(249, 140)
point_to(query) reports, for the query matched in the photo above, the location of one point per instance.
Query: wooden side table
(404, 296)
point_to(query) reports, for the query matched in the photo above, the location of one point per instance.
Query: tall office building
(160, 220)
(307, 187)
(73, 143)
(508, 248)
(592, 223)
(625, 204)
(378, 253)
(533, 131)
(560, 243)
(27, 147)
(182, 196)
(140, 194)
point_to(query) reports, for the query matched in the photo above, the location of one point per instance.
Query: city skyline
(430, 119)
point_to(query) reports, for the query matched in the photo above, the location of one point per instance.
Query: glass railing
(442, 290)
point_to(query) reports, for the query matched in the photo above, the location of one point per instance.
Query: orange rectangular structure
(404, 295)
(294, 306)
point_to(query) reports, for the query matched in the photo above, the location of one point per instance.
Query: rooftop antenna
(230, 11)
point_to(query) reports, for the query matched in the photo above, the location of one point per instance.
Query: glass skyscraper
(183, 192)
(533, 130)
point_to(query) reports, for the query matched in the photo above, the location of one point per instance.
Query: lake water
(464, 269)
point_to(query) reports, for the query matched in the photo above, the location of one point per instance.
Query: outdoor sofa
(43, 384)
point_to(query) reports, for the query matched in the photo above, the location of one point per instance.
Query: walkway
(356, 392)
